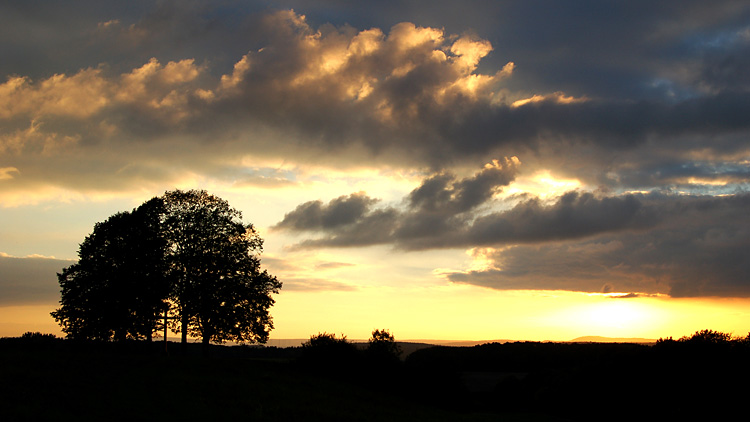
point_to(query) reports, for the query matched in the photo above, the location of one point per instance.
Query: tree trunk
(206, 344)
(166, 345)
(184, 328)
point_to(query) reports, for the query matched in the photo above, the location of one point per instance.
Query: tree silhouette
(382, 357)
(220, 292)
(118, 287)
(383, 345)
(707, 337)
(187, 253)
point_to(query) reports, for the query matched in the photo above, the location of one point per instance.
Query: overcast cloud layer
(645, 104)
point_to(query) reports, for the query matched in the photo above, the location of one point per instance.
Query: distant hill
(286, 342)
(599, 339)
(409, 346)
(458, 343)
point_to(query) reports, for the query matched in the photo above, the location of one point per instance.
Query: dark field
(53, 379)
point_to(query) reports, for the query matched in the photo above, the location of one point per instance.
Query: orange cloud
(557, 97)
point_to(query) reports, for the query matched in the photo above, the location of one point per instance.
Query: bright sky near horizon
(536, 170)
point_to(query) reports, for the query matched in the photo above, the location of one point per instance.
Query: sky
(531, 170)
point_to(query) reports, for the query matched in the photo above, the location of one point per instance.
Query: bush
(326, 353)
(37, 337)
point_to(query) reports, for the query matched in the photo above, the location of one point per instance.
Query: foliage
(36, 336)
(325, 340)
(325, 352)
(383, 339)
(119, 285)
(219, 289)
(707, 337)
(186, 253)
(382, 346)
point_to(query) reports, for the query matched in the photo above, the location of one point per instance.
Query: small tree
(382, 354)
(382, 343)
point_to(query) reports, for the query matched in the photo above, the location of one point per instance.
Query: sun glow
(616, 313)
(543, 184)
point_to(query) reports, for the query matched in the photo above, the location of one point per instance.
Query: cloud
(624, 296)
(699, 248)
(7, 172)
(573, 215)
(107, 98)
(441, 193)
(657, 243)
(29, 280)
(338, 212)
(316, 284)
(447, 213)
(433, 213)
(295, 274)
(404, 95)
(333, 265)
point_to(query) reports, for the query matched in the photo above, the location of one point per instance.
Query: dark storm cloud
(315, 215)
(434, 212)
(574, 215)
(48, 37)
(719, 175)
(447, 213)
(684, 246)
(727, 71)
(29, 280)
(442, 193)
(700, 248)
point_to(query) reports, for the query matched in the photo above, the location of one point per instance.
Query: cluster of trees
(328, 353)
(183, 261)
(707, 337)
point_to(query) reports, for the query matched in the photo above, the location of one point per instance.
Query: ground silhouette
(693, 377)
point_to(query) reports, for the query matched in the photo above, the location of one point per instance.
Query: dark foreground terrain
(54, 379)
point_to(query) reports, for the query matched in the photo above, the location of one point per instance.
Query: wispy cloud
(29, 280)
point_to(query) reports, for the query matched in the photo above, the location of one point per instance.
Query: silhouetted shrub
(707, 337)
(327, 354)
(37, 336)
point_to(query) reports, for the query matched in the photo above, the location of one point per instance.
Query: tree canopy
(186, 253)
(383, 345)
